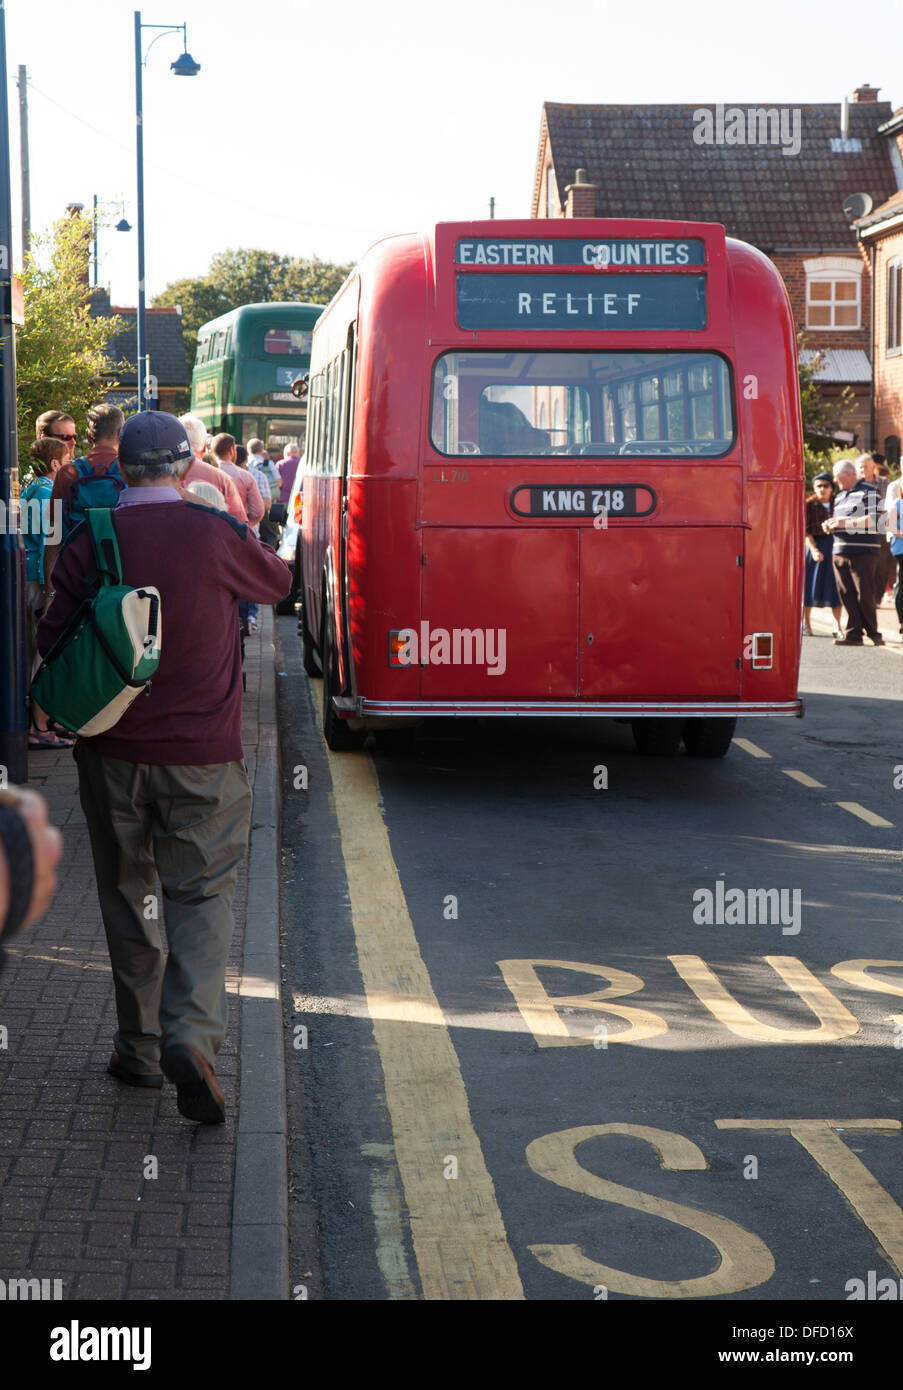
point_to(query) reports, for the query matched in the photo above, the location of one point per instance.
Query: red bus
(554, 469)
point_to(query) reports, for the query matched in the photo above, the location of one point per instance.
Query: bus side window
(313, 432)
(329, 423)
(352, 389)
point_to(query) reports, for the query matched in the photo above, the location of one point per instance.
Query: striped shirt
(861, 500)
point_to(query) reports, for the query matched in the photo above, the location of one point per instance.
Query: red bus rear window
(506, 404)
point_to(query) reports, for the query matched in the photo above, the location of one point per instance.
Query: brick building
(165, 350)
(881, 233)
(776, 177)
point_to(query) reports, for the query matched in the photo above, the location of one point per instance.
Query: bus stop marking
(744, 1259)
(874, 1206)
(457, 1230)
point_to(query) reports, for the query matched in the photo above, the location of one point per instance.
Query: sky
(318, 129)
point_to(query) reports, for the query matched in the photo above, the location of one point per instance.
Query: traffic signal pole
(13, 657)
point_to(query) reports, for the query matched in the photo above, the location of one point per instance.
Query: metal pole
(140, 322)
(96, 281)
(13, 661)
(23, 146)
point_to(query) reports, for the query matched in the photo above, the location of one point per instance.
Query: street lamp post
(185, 66)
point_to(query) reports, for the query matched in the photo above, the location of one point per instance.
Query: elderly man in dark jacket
(165, 791)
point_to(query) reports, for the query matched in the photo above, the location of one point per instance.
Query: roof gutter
(868, 226)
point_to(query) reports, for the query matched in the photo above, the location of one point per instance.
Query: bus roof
(275, 312)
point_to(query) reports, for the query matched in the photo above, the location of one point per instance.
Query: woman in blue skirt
(821, 590)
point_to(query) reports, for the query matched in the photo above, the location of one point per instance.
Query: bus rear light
(399, 647)
(762, 651)
(299, 503)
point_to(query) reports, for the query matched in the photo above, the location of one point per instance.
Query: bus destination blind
(631, 303)
(601, 255)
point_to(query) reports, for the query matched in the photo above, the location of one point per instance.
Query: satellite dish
(858, 205)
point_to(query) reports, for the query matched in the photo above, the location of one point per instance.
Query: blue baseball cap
(153, 437)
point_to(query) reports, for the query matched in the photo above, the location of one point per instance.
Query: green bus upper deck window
(602, 404)
(287, 342)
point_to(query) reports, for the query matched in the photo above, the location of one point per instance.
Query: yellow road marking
(855, 972)
(539, 1009)
(871, 1202)
(744, 1260)
(834, 1020)
(863, 813)
(752, 749)
(386, 1204)
(802, 777)
(457, 1231)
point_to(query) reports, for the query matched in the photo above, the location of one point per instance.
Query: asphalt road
(534, 1068)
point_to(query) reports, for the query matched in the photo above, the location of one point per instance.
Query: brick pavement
(75, 1203)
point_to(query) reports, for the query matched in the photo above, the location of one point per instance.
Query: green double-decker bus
(244, 369)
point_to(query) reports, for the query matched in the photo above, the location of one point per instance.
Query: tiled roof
(646, 163)
(840, 364)
(165, 344)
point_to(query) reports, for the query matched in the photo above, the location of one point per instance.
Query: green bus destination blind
(547, 302)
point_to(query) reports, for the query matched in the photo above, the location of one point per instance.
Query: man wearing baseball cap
(165, 791)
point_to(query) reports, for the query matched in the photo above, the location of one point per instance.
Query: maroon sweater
(202, 561)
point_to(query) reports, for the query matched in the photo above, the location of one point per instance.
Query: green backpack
(108, 651)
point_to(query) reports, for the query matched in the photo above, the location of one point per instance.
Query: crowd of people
(854, 546)
(164, 790)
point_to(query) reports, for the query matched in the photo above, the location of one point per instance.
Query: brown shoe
(877, 640)
(197, 1094)
(153, 1079)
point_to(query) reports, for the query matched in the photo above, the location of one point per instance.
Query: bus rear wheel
(657, 737)
(339, 737)
(708, 738)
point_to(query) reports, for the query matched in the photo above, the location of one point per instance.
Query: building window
(833, 292)
(894, 305)
(550, 191)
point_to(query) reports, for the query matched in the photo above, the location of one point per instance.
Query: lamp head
(123, 226)
(185, 66)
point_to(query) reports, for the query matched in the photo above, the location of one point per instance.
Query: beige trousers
(190, 826)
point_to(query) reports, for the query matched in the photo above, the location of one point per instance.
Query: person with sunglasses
(56, 424)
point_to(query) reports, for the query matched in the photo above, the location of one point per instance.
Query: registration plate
(610, 499)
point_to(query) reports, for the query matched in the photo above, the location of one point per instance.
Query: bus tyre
(339, 737)
(708, 738)
(308, 660)
(657, 737)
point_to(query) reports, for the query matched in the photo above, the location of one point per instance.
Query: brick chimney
(866, 93)
(581, 196)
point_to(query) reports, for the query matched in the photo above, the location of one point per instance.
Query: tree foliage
(821, 417)
(249, 276)
(61, 351)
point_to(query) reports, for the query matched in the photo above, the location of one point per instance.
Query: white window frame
(833, 269)
(894, 350)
